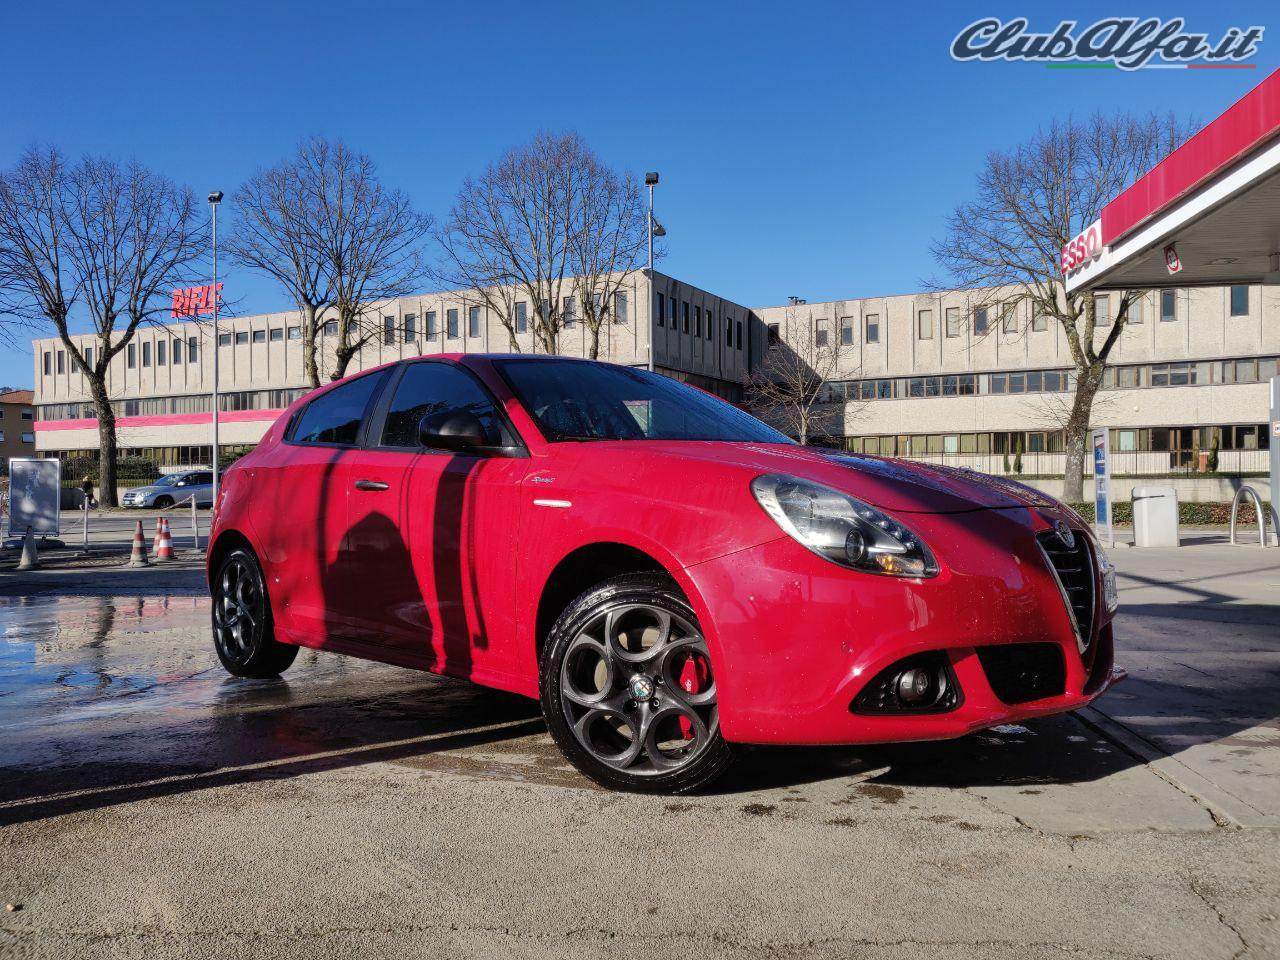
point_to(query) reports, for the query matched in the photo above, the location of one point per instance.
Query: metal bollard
(85, 548)
(195, 529)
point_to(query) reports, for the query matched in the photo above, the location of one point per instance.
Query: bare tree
(548, 220)
(790, 387)
(277, 231)
(112, 238)
(1030, 202)
(608, 234)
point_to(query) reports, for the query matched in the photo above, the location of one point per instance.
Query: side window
(201, 479)
(334, 417)
(439, 388)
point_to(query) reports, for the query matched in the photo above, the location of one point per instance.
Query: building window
(277, 334)
(924, 323)
(739, 334)
(1239, 300)
(388, 331)
(410, 327)
(620, 307)
(473, 322)
(1039, 320)
(522, 317)
(193, 349)
(28, 438)
(330, 328)
(774, 336)
(980, 322)
(451, 323)
(1135, 310)
(131, 356)
(728, 331)
(846, 331)
(872, 332)
(1102, 311)
(161, 348)
(62, 361)
(1168, 305)
(259, 336)
(685, 308)
(295, 333)
(660, 308)
(177, 352)
(429, 325)
(242, 337)
(568, 312)
(88, 357)
(48, 363)
(820, 334)
(1010, 317)
(697, 322)
(146, 354)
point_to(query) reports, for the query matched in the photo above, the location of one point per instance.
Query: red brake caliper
(694, 678)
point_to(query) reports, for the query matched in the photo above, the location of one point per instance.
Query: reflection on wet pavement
(111, 699)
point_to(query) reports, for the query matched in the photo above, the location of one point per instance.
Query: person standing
(87, 486)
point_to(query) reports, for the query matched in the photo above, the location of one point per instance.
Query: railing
(1123, 463)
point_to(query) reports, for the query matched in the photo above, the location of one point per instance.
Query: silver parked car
(173, 488)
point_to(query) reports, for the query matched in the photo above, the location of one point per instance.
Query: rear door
(433, 532)
(300, 512)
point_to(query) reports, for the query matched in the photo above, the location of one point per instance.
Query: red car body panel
(444, 569)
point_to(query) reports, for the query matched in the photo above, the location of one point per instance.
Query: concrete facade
(17, 426)
(917, 375)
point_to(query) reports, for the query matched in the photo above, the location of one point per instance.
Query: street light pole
(651, 181)
(215, 198)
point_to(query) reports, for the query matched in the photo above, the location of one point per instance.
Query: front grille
(1073, 566)
(1022, 672)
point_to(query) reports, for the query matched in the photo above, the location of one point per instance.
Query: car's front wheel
(627, 688)
(243, 633)
(163, 503)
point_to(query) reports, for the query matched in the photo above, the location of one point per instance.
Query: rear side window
(200, 478)
(434, 388)
(335, 417)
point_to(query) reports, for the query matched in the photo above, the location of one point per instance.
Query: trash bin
(1155, 517)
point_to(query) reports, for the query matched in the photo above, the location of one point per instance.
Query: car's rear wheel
(163, 503)
(628, 691)
(243, 633)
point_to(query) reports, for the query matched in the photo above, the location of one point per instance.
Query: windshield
(572, 400)
(168, 480)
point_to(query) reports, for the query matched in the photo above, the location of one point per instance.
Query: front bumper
(795, 639)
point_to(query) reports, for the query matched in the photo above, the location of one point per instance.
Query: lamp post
(215, 198)
(651, 181)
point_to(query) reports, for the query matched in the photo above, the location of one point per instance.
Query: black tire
(243, 632)
(163, 503)
(676, 725)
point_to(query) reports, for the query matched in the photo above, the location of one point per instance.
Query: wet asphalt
(151, 805)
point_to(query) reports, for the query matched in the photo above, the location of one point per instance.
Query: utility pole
(651, 181)
(215, 198)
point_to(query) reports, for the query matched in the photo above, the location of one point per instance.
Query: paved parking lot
(152, 806)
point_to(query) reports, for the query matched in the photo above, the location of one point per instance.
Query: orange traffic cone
(138, 556)
(164, 542)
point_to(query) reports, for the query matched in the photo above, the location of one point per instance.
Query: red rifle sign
(195, 301)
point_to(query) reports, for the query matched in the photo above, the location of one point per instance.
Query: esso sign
(1082, 248)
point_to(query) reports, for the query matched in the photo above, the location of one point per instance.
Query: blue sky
(806, 149)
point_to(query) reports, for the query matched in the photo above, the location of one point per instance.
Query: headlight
(843, 530)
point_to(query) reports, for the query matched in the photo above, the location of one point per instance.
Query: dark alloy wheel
(163, 503)
(243, 633)
(628, 691)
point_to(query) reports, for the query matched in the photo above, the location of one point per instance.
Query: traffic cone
(138, 556)
(30, 560)
(164, 542)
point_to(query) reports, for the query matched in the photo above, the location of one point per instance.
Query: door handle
(371, 485)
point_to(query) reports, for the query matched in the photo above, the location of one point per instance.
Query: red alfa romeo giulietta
(665, 573)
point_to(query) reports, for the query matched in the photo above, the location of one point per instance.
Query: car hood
(144, 490)
(900, 486)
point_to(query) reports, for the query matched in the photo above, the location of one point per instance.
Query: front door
(431, 534)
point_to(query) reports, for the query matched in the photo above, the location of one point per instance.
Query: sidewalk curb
(1226, 809)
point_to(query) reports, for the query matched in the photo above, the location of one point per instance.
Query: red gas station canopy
(1215, 200)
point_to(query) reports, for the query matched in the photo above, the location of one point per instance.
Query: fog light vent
(1022, 672)
(922, 683)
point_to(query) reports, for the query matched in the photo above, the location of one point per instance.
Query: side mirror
(458, 430)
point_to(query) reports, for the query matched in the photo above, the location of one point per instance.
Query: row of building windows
(27, 437)
(183, 456)
(1006, 315)
(1175, 440)
(1131, 376)
(682, 315)
(164, 406)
